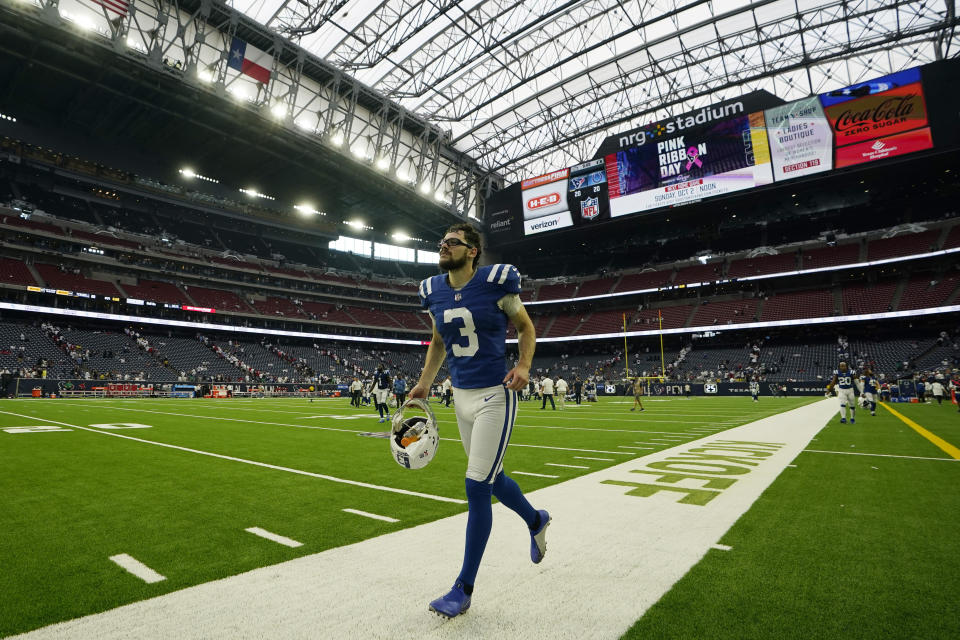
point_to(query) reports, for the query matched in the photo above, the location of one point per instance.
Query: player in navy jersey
(381, 392)
(868, 391)
(470, 307)
(843, 380)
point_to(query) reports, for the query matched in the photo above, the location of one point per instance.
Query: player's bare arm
(431, 365)
(519, 376)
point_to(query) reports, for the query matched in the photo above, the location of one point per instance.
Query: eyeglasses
(453, 242)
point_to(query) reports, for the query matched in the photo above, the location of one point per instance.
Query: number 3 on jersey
(469, 331)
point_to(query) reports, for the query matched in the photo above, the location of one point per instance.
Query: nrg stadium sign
(749, 103)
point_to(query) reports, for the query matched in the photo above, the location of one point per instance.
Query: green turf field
(179, 494)
(841, 546)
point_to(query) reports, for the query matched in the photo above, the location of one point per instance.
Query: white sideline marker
(137, 568)
(263, 533)
(366, 514)
(721, 547)
(589, 458)
(568, 466)
(535, 475)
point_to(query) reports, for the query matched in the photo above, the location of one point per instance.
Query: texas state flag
(248, 59)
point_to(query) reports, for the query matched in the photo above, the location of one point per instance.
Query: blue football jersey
(382, 380)
(473, 327)
(869, 384)
(845, 378)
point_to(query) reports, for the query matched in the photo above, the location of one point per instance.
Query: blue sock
(380, 409)
(508, 492)
(479, 522)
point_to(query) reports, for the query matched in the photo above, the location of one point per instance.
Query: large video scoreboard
(730, 147)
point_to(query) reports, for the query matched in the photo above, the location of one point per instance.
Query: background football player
(470, 307)
(843, 381)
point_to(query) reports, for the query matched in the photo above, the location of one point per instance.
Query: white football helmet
(422, 430)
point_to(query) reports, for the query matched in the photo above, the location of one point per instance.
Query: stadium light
(400, 236)
(356, 223)
(358, 151)
(6, 117)
(425, 188)
(440, 196)
(402, 175)
(253, 193)
(187, 173)
(336, 140)
(307, 209)
(383, 164)
(279, 111)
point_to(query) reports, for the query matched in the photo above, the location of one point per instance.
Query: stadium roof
(527, 86)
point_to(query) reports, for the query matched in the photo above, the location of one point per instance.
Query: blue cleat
(852, 421)
(381, 420)
(843, 421)
(452, 604)
(538, 538)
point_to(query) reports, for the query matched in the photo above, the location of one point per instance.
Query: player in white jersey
(843, 381)
(470, 307)
(754, 389)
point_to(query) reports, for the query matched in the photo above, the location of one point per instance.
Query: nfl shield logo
(456, 297)
(590, 208)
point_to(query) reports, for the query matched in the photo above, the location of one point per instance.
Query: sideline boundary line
(940, 443)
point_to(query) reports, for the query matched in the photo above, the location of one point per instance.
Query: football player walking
(470, 307)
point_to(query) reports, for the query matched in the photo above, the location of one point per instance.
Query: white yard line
(589, 458)
(367, 514)
(627, 446)
(321, 476)
(567, 466)
(721, 547)
(878, 455)
(535, 475)
(263, 533)
(364, 594)
(137, 568)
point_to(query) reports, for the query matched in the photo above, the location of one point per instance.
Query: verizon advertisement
(545, 202)
(801, 140)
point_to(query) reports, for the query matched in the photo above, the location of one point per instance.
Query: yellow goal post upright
(646, 380)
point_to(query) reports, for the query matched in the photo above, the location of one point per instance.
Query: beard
(449, 263)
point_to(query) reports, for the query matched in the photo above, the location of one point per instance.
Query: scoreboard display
(722, 150)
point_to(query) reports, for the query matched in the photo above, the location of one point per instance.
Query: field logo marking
(705, 464)
(38, 428)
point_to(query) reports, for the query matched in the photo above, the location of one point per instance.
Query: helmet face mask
(414, 438)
